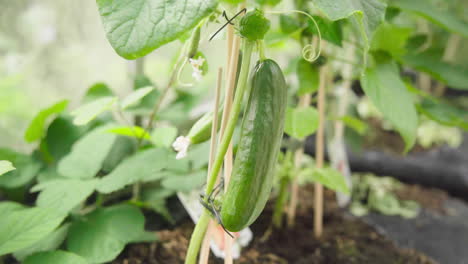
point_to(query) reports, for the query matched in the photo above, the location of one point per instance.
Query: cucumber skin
(261, 133)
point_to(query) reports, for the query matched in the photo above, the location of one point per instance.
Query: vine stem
(202, 224)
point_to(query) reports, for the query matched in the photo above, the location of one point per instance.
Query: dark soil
(429, 198)
(345, 240)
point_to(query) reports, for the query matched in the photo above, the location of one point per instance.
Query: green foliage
(86, 113)
(301, 122)
(384, 87)
(51, 242)
(26, 166)
(135, 28)
(133, 131)
(5, 166)
(22, 227)
(391, 38)
(53, 257)
(329, 30)
(87, 154)
(289, 24)
(454, 76)
(135, 97)
(366, 15)
(357, 125)
(254, 25)
(308, 75)
(434, 14)
(164, 136)
(444, 113)
(103, 234)
(268, 2)
(36, 129)
(330, 178)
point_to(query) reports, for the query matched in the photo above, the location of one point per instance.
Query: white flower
(181, 145)
(197, 67)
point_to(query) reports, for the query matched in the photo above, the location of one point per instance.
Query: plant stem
(280, 201)
(202, 224)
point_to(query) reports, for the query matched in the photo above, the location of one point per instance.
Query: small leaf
(50, 242)
(184, 182)
(135, 97)
(35, 130)
(136, 27)
(135, 131)
(164, 136)
(103, 234)
(357, 125)
(444, 113)
(145, 165)
(97, 91)
(22, 228)
(329, 30)
(85, 113)
(301, 122)
(122, 148)
(384, 87)
(434, 14)
(331, 178)
(289, 24)
(26, 166)
(308, 75)
(55, 257)
(391, 38)
(65, 194)
(87, 154)
(5, 166)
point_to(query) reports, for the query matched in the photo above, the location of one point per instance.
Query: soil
(346, 239)
(429, 198)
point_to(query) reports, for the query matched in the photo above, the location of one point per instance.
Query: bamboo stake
(205, 249)
(304, 101)
(319, 154)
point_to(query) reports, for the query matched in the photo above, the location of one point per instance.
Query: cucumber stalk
(202, 224)
(280, 201)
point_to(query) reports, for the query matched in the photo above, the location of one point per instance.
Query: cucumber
(261, 134)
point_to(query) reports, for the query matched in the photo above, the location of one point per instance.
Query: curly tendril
(310, 53)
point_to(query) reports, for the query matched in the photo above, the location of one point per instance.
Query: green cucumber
(261, 134)
(201, 130)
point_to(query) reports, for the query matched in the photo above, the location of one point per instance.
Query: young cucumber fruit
(261, 134)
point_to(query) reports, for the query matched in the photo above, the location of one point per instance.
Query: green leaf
(55, 257)
(184, 182)
(26, 166)
(454, 76)
(86, 113)
(23, 227)
(136, 27)
(331, 178)
(289, 24)
(97, 91)
(61, 135)
(329, 30)
(103, 234)
(308, 75)
(50, 242)
(384, 87)
(444, 113)
(164, 136)
(5, 166)
(434, 14)
(391, 38)
(301, 122)
(366, 15)
(87, 154)
(357, 125)
(135, 131)
(122, 148)
(135, 97)
(145, 165)
(64, 194)
(35, 130)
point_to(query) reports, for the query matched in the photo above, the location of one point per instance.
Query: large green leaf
(301, 122)
(384, 87)
(55, 257)
(454, 76)
(164, 136)
(87, 155)
(135, 97)
(136, 27)
(144, 165)
(331, 178)
(366, 15)
(434, 14)
(122, 148)
(5, 166)
(444, 113)
(184, 182)
(87, 112)
(20, 228)
(102, 235)
(50, 242)
(391, 38)
(308, 75)
(35, 130)
(27, 167)
(64, 194)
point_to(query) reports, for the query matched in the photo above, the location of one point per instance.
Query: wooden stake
(319, 154)
(304, 101)
(205, 249)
